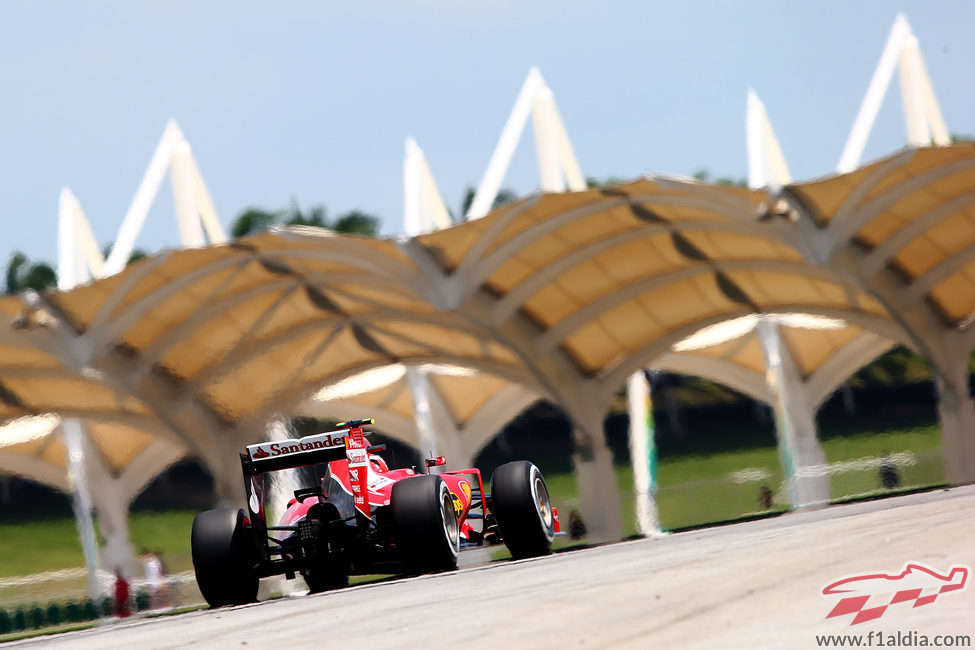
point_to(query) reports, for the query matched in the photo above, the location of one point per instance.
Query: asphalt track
(748, 585)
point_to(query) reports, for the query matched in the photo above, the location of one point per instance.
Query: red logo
(260, 453)
(867, 596)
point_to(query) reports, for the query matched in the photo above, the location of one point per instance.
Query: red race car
(363, 517)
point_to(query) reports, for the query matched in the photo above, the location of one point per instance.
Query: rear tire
(224, 557)
(427, 530)
(523, 509)
(323, 579)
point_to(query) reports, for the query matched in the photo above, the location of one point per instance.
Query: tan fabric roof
(825, 351)
(468, 405)
(34, 378)
(606, 273)
(554, 292)
(237, 328)
(913, 212)
(118, 445)
(463, 391)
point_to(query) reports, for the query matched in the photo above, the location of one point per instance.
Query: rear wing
(297, 452)
(294, 452)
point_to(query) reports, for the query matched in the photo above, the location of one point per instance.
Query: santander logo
(868, 596)
(285, 447)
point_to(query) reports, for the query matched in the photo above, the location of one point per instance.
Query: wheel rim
(449, 519)
(542, 503)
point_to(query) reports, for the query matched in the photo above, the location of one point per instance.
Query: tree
(601, 183)
(704, 176)
(356, 222)
(315, 217)
(136, 254)
(22, 274)
(505, 195)
(254, 220)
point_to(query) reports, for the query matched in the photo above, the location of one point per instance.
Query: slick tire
(427, 530)
(523, 509)
(224, 557)
(325, 579)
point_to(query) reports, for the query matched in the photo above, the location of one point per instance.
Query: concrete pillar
(449, 439)
(457, 453)
(803, 459)
(450, 442)
(435, 426)
(112, 511)
(221, 455)
(110, 501)
(599, 495)
(956, 411)
(73, 432)
(427, 438)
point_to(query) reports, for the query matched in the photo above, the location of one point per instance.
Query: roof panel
(551, 305)
(810, 348)
(119, 445)
(955, 295)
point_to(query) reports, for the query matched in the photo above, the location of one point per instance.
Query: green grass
(37, 546)
(699, 490)
(165, 531)
(922, 441)
(50, 544)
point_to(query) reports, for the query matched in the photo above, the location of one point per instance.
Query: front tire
(522, 508)
(224, 557)
(427, 530)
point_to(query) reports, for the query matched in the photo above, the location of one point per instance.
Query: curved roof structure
(913, 214)
(37, 375)
(133, 456)
(593, 284)
(825, 351)
(564, 294)
(240, 329)
(468, 407)
(612, 278)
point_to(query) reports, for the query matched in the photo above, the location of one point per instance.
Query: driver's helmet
(377, 463)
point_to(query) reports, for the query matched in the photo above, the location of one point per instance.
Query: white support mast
(424, 209)
(766, 164)
(79, 260)
(546, 144)
(923, 120)
(558, 167)
(184, 196)
(505, 149)
(196, 217)
(142, 201)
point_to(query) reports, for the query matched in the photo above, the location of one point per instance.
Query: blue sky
(313, 100)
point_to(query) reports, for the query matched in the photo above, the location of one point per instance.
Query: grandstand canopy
(565, 294)
(825, 351)
(912, 213)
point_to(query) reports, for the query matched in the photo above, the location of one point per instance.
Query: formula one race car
(363, 518)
